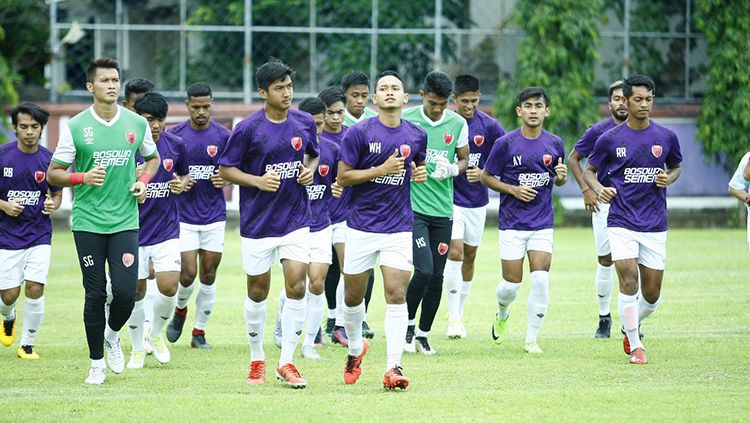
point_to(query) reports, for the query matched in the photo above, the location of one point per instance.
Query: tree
(724, 119)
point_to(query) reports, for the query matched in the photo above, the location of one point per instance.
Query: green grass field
(697, 343)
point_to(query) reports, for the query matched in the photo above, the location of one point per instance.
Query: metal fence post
(55, 46)
(438, 54)
(247, 86)
(374, 41)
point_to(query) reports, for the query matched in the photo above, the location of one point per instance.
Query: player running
(356, 86)
(739, 186)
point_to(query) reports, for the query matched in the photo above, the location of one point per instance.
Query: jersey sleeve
(351, 147)
(497, 158)
(313, 146)
(599, 154)
(421, 154)
(463, 136)
(738, 180)
(65, 153)
(560, 152)
(148, 146)
(674, 157)
(182, 162)
(236, 147)
(586, 143)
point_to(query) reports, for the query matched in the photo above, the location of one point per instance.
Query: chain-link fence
(178, 42)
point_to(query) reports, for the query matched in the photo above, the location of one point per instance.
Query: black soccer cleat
(174, 328)
(605, 326)
(330, 325)
(199, 340)
(366, 331)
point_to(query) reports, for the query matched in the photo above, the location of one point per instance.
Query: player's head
(356, 86)
(532, 106)
(199, 103)
(334, 99)
(103, 80)
(28, 121)
(154, 107)
(317, 108)
(274, 82)
(639, 91)
(389, 91)
(466, 95)
(134, 89)
(616, 100)
(435, 92)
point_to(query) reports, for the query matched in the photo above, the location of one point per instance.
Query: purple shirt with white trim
(320, 190)
(585, 145)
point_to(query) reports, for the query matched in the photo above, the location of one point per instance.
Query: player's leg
(604, 270)
(189, 246)
(338, 335)
(366, 331)
(625, 252)
(320, 259)
(422, 253)
(512, 253)
(122, 259)
(166, 259)
(475, 219)
(467, 273)
(12, 262)
(33, 313)
(332, 282)
(148, 299)
(540, 258)
(651, 262)
(137, 320)
(440, 234)
(452, 274)
(211, 248)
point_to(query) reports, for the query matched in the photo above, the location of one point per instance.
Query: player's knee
(9, 296)
(168, 291)
(140, 291)
(208, 276)
(605, 261)
(423, 275)
(470, 257)
(317, 286)
(395, 295)
(455, 254)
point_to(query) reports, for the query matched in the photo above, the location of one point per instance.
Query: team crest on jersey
(212, 150)
(128, 259)
(656, 150)
(447, 138)
(547, 159)
(168, 164)
(297, 143)
(323, 170)
(130, 137)
(405, 150)
(442, 248)
(39, 176)
(478, 140)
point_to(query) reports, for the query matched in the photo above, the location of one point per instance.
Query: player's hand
(590, 200)
(473, 174)
(523, 193)
(393, 165)
(418, 173)
(49, 205)
(305, 175)
(13, 207)
(747, 199)
(175, 185)
(607, 194)
(139, 191)
(269, 182)
(662, 179)
(95, 176)
(216, 180)
(336, 189)
(189, 184)
(561, 169)
(444, 169)
(139, 169)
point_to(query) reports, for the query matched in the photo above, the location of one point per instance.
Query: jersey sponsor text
(533, 179)
(157, 190)
(315, 192)
(641, 175)
(200, 172)
(28, 198)
(285, 170)
(110, 158)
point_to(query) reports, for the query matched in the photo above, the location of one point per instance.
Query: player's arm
(663, 179)
(52, 201)
(348, 175)
(603, 194)
(520, 192)
(463, 158)
(307, 171)
(270, 181)
(739, 194)
(746, 171)
(57, 174)
(12, 208)
(589, 197)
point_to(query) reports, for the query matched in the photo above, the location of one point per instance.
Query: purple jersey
(257, 146)
(24, 178)
(633, 158)
(483, 131)
(203, 204)
(159, 215)
(383, 204)
(337, 138)
(588, 139)
(517, 160)
(320, 190)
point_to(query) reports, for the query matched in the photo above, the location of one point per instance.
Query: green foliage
(557, 52)
(724, 119)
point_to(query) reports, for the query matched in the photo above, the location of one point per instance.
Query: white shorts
(31, 264)
(363, 249)
(601, 236)
(165, 256)
(515, 244)
(649, 248)
(258, 254)
(202, 237)
(468, 224)
(339, 233)
(320, 246)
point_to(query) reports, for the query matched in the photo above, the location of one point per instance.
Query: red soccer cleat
(289, 374)
(638, 356)
(394, 378)
(626, 344)
(352, 368)
(257, 373)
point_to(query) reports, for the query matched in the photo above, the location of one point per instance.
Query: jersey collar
(102, 121)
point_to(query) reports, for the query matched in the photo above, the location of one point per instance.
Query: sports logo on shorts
(656, 150)
(168, 164)
(447, 138)
(323, 170)
(547, 159)
(478, 140)
(39, 176)
(212, 150)
(128, 259)
(442, 248)
(130, 137)
(405, 150)
(297, 143)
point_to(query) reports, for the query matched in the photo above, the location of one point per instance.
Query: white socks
(315, 311)
(33, 313)
(644, 307)
(255, 319)
(452, 281)
(163, 307)
(465, 290)
(135, 325)
(396, 319)
(183, 295)
(628, 307)
(340, 302)
(110, 335)
(204, 304)
(506, 293)
(604, 281)
(8, 311)
(148, 301)
(292, 321)
(537, 304)
(353, 317)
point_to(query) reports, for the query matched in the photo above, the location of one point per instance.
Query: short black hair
(273, 70)
(465, 83)
(354, 78)
(102, 62)
(36, 112)
(312, 105)
(152, 103)
(392, 73)
(331, 95)
(138, 86)
(199, 89)
(532, 92)
(637, 81)
(615, 86)
(438, 83)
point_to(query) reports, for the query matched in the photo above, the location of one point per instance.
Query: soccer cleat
(174, 328)
(257, 373)
(161, 352)
(199, 340)
(498, 329)
(310, 352)
(290, 375)
(454, 329)
(394, 378)
(423, 346)
(147, 347)
(115, 358)
(318, 338)
(626, 341)
(605, 324)
(277, 331)
(330, 326)
(532, 348)
(638, 356)
(27, 352)
(339, 336)
(366, 331)
(137, 358)
(353, 365)
(409, 345)
(8, 333)
(96, 376)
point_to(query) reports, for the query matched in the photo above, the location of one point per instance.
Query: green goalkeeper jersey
(350, 120)
(90, 141)
(433, 197)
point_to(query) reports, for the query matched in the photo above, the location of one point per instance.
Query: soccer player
(26, 201)
(158, 238)
(270, 155)
(356, 86)
(378, 158)
(448, 137)
(203, 214)
(522, 166)
(135, 89)
(102, 142)
(635, 155)
(739, 186)
(469, 201)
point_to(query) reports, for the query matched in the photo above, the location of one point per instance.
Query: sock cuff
(626, 297)
(34, 301)
(605, 268)
(539, 274)
(207, 289)
(649, 305)
(509, 286)
(166, 297)
(295, 304)
(396, 309)
(355, 309)
(251, 305)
